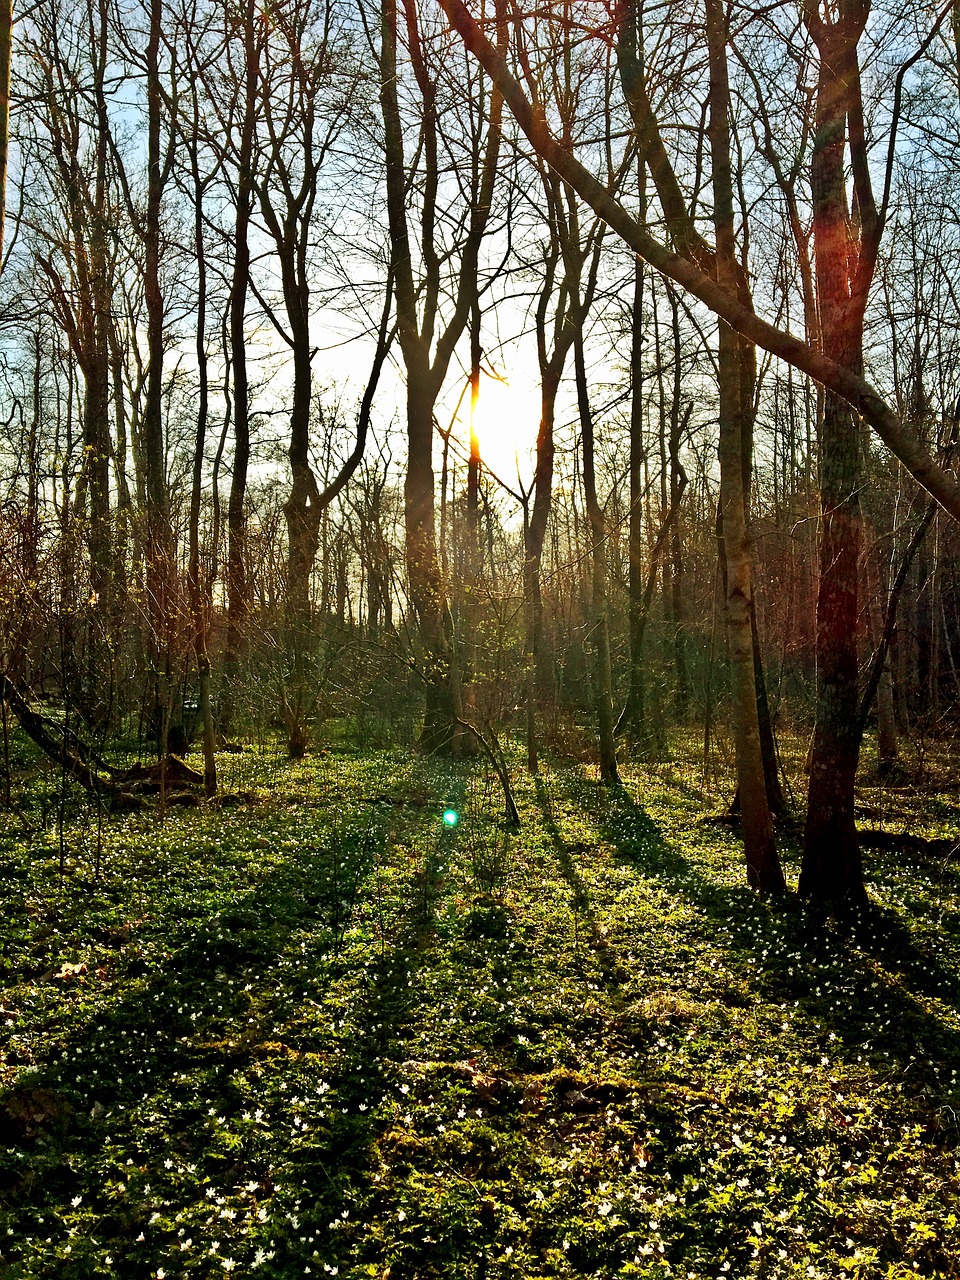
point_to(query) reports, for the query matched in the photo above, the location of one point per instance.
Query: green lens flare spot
(450, 817)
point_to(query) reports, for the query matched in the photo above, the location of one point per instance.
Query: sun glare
(506, 421)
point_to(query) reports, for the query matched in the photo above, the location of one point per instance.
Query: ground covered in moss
(321, 1033)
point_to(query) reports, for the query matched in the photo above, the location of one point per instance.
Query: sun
(506, 421)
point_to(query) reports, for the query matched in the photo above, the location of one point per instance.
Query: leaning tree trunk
(685, 269)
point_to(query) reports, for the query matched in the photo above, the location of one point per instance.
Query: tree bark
(678, 480)
(763, 866)
(600, 623)
(6, 51)
(200, 602)
(238, 596)
(160, 563)
(832, 869)
(634, 717)
(535, 530)
(879, 685)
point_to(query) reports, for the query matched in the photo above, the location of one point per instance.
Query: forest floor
(321, 1033)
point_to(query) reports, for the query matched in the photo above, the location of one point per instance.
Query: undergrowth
(323, 1033)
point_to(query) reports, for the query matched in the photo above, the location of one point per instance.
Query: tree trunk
(160, 547)
(6, 49)
(238, 602)
(832, 870)
(600, 625)
(200, 603)
(763, 865)
(418, 313)
(466, 655)
(535, 531)
(634, 715)
(678, 480)
(303, 516)
(423, 565)
(888, 747)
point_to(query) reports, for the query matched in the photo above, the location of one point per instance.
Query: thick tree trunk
(763, 865)
(832, 870)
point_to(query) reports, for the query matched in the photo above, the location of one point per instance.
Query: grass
(320, 1033)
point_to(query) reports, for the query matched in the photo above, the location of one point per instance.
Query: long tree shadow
(870, 981)
(582, 907)
(257, 1044)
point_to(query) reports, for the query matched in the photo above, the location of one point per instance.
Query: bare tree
(427, 337)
